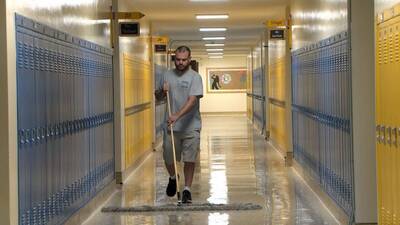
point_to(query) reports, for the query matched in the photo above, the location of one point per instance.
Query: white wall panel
(222, 102)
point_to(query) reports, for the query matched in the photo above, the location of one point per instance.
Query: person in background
(215, 82)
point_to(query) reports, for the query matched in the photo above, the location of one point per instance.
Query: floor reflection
(218, 218)
(235, 165)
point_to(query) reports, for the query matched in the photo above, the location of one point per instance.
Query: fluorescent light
(214, 49)
(213, 38)
(212, 16)
(215, 53)
(214, 45)
(208, 0)
(215, 57)
(206, 29)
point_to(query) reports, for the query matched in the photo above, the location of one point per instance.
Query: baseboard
(267, 135)
(336, 211)
(86, 211)
(288, 156)
(157, 145)
(289, 159)
(121, 176)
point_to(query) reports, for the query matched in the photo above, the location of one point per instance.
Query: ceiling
(176, 19)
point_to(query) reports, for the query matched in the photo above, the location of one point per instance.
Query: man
(215, 84)
(185, 88)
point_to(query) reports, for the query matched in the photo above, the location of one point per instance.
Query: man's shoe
(171, 188)
(186, 196)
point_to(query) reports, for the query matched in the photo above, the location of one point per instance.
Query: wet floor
(235, 165)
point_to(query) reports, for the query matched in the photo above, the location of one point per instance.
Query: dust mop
(179, 206)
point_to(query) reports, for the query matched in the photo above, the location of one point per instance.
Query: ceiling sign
(129, 29)
(275, 23)
(160, 48)
(277, 34)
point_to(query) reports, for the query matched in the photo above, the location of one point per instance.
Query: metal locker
(321, 130)
(53, 123)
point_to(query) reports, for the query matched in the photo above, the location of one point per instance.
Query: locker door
(388, 120)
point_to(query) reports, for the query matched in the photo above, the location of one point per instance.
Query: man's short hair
(183, 48)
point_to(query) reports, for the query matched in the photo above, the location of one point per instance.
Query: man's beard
(182, 68)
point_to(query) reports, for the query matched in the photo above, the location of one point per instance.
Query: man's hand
(192, 100)
(172, 119)
(162, 93)
(166, 87)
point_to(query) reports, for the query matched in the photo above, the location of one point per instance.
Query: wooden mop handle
(173, 150)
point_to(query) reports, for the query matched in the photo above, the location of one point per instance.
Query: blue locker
(59, 108)
(321, 116)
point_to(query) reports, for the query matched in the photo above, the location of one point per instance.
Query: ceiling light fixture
(214, 49)
(208, 0)
(212, 16)
(213, 38)
(214, 45)
(215, 53)
(215, 57)
(209, 29)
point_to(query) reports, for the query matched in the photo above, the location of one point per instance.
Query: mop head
(184, 207)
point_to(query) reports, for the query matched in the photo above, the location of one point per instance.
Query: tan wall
(138, 91)
(222, 102)
(314, 20)
(278, 85)
(136, 72)
(381, 5)
(8, 149)
(78, 18)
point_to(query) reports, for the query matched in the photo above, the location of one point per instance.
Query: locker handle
(75, 126)
(86, 123)
(21, 137)
(378, 133)
(42, 133)
(81, 124)
(62, 129)
(394, 136)
(389, 135)
(32, 135)
(383, 134)
(48, 131)
(53, 130)
(57, 130)
(66, 128)
(69, 127)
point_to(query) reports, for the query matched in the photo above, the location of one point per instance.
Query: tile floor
(235, 165)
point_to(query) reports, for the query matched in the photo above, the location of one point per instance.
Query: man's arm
(191, 101)
(160, 94)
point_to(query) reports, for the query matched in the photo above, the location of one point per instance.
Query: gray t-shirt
(181, 87)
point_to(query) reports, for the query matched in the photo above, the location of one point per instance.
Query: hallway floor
(235, 165)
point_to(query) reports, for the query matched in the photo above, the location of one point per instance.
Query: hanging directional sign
(277, 34)
(129, 29)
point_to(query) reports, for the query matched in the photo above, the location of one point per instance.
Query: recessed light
(211, 16)
(215, 57)
(213, 38)
(214, 45)
(214, 49)
(215, 53)
(207, 29)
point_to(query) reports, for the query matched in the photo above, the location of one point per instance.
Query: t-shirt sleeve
(196, 88)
